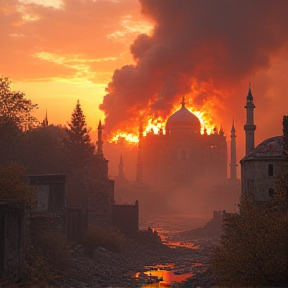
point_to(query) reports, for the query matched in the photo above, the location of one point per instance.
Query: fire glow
(157, 125)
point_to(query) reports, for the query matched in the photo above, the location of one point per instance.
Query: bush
(110, 239)
(47, 258)
(253, 248)
(55, 249)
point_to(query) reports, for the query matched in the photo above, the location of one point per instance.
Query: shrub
(47, 258)
(110, 239)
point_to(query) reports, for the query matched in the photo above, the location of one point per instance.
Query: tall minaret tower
(139, 157)
(233, 165)
(249, 127)
(121, 168)
(101, 164)
(99, 143)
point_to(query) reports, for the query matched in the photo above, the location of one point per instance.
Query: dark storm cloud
(197, 41)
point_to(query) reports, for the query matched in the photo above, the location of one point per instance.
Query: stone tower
(121, 168)
(233, 165)
(101, 162)
(139, 156)
(249, 127)
(99, 143)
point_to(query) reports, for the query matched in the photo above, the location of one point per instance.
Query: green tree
(79, 155)
(15, 109)
(78, 142)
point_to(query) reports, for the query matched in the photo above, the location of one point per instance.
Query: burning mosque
(182, 168)
(182, 155)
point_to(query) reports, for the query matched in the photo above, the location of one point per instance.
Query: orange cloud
(57, 33)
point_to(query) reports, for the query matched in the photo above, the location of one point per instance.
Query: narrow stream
(167, 226)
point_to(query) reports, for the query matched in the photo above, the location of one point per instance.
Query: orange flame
(152, 124)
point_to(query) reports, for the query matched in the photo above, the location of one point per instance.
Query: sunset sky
(58, 51)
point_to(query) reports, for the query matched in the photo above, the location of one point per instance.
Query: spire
(99, 143)
(100, 125)
(141, 129)
(249, 127)
(121, 168)
(233, 128)
(139, 156)
(139, 166)
(45, 121)
(221, 131)
(233, 165)
(183, 102)
(249, 95)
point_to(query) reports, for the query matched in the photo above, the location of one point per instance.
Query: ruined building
(262, 164)
(100, 197)
(182, 155)
(101, 206)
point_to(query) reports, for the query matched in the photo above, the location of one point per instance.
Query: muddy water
(168, 226)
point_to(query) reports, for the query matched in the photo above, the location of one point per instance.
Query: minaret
(249, 127)
(101, 163)
(101, 166)
(139, 157)
(45, 121)
(121, 168)
(221, 131)
(99, 143)
(233, 165)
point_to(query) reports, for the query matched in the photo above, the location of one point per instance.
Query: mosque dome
(183, 122)
(271, 148)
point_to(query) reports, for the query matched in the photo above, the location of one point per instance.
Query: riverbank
(107, 269)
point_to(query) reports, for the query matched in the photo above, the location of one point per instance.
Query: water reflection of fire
(157, 124)
(163, 276)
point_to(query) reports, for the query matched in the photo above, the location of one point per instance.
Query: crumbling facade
(126, 218)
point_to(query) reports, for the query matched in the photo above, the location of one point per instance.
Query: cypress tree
(78, 143)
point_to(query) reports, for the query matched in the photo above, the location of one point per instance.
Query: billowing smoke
(194, 44)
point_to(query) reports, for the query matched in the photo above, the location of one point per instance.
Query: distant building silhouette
(182, 155)
(45, 122)
(233, 165)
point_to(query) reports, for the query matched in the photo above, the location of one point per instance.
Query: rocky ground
(108, 269)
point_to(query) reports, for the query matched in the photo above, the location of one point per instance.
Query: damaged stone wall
(12, 238)
(126, 218)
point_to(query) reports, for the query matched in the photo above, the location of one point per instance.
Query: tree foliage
(78, 157)
(43, 150)
(254, 247)
(15, 109)
(13, 184)
(78, 144)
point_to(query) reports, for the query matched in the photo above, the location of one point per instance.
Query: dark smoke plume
(201, 42)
